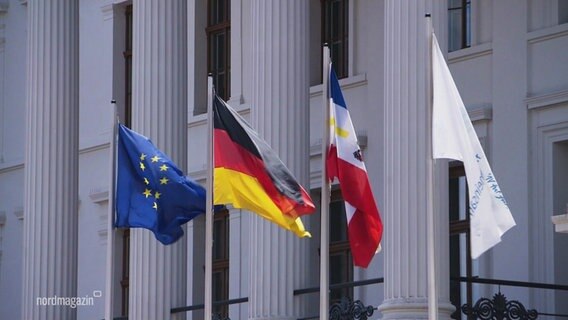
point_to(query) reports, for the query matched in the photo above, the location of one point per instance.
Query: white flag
(454, 138)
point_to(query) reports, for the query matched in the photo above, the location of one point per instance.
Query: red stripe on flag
(332, 170)
(231, 155)
(365, 227)
(364, 239)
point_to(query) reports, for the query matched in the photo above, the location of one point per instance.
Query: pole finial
(113, 101)
(428, 15)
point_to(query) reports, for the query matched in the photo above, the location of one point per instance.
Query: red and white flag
(345, 162)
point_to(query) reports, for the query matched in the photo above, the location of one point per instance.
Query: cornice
(547, 99)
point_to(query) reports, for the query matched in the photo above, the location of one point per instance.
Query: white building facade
(62, 62)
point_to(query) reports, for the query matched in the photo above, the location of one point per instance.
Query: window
(219, 45)
(340, 260)
(562, 12)
(128, 68)
(459, 27)
(221, 262)
(460, 246)
(124, 281)
(335, 32)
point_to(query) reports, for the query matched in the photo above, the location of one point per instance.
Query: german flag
(249, 175)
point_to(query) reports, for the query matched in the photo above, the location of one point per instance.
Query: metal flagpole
(209, 206)
(325, 194)
(431, 252)
(109, 291)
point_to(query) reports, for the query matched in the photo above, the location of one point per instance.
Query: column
(159, 111)
(406, 151)
(280, 114)
(51, 162)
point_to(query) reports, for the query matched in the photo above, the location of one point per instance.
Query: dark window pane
(217, 286)
(454, 4)
(221, 261)
(219, 240)
(460, 247)
(338, 222)
(127, 54)
(562, 11)
(335, 22)
(218, 45)
(340, 260)
(467, 25)
(335, 33)
(454, 197)
(459, 24)
(339, 273)
(454, 30)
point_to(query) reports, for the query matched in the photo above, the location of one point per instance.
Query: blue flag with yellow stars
(151, 191)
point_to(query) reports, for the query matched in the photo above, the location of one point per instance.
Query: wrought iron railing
(500, 308)
(345, 309)
(497, 308)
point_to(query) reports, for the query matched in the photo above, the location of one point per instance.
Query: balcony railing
(345, 309)
(500, 307)
(486, 309)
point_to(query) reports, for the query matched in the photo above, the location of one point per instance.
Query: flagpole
(432, 284)
(325, 194)
(209, 205)
(109, 291)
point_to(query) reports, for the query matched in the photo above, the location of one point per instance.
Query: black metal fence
(497, 308)
(345, 309)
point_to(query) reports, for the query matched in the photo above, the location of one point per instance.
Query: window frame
(221, 265)
(456, 228)
(466, 30)
(125, 279)
(128, 66)
(222, 26)
(127, 54)
(343, 68)
(341, 248)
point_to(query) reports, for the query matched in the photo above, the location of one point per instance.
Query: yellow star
(142, 157)
(142, 166)
(157, 195)
(163, 167)
(164, 180)
(147, 193)
(146, 181)
(155, 206)
(155, 158)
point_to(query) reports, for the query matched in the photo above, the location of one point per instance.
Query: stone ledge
(560, 222)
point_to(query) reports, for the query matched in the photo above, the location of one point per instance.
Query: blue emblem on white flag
(454, 137)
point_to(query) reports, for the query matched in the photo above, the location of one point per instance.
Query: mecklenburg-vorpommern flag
(152, 193)
(345, 161)
(249, 175)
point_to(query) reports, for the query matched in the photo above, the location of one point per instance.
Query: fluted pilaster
(51, 165)
(406, 148)
(280, 114)
(159, 111)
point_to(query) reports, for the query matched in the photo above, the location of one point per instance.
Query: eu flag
(152, 193)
